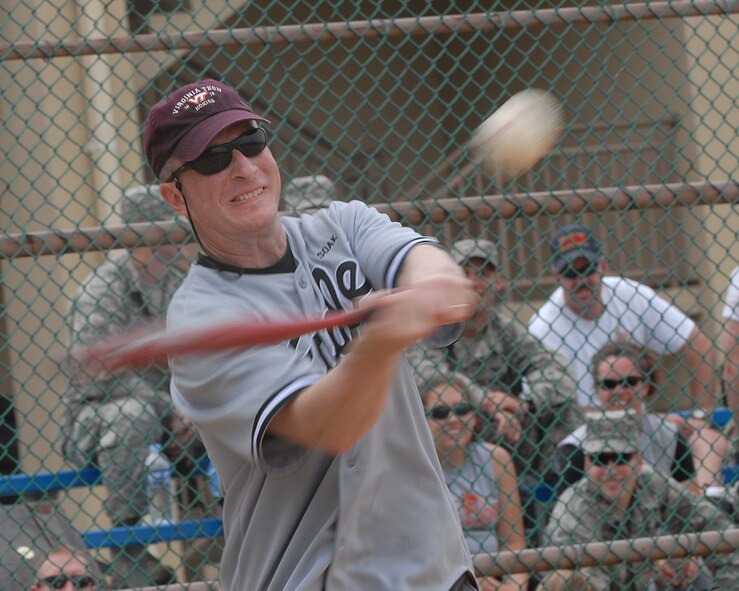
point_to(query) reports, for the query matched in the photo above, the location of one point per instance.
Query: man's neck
(258, 253)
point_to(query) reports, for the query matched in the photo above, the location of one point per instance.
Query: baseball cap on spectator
(475, 248)
(183, 124)
(143, 203)
(308, 192)
(612, 431)
(573, 242)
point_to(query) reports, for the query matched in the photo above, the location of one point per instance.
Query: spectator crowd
(567, 404)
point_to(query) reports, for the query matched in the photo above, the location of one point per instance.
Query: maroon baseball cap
(184, 123)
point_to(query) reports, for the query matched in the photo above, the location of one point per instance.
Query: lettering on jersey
(327, 247)
(338, 291)
(342, 289)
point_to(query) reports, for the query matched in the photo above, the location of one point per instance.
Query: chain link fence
(377, 102)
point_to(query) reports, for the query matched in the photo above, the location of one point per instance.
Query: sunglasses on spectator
(439, 413)
(59, 581)
(217, 158)
(572, 272)
(605, 458)
(624, 382)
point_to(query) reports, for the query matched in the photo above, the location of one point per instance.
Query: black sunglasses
(625, 382)
(604, 458)
(217, 158)
(439, 413)
(572, 272)
(79, 581)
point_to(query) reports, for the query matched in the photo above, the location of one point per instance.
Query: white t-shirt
(731, 303)
(632, 311)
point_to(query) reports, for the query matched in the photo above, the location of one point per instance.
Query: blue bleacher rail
(146, 534)
(19, 484)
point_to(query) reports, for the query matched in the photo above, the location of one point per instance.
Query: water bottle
(159, 486)
(214, 484)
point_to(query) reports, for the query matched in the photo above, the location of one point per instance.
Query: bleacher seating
(19, 484)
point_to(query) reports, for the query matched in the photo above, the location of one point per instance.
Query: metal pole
(608, 553)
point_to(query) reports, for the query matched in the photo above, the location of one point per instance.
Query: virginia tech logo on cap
(196, 99)
(572, 240)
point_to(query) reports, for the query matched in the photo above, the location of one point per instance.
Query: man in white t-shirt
(588, 309)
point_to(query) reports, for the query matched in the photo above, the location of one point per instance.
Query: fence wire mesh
(378, 102)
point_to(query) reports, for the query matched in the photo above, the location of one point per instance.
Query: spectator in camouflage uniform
(111, 419)
(526, 389)
(307, 193)
(623, 497)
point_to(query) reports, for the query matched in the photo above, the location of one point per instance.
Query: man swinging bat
(330, 476)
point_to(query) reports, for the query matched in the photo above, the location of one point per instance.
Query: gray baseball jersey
(296, 519)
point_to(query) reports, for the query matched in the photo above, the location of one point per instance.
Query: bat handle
(445, 335)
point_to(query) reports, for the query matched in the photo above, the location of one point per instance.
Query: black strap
(286, 264)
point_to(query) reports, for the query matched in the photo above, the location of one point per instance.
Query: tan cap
(308, 192)
(143, 203)
(615, 431)
(475, 248)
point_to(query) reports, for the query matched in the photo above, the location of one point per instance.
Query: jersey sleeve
(379, 244)
(731, 301)
(232, 395)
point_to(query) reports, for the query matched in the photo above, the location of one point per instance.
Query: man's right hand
(403, 316)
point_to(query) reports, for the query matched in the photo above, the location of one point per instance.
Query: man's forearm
(336, 411)
(423, 261)
(325, 416)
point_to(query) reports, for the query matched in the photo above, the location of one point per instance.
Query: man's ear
(171, 194)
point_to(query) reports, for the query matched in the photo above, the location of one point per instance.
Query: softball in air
(518, 134)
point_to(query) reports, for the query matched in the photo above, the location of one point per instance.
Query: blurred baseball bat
(139, 348)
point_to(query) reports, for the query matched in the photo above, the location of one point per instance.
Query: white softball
(518, 134)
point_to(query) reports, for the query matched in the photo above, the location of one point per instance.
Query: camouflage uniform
(659, 506)
(306, 193)
(110, 420)
(500, 357)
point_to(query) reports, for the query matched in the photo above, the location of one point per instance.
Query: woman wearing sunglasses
(625, 377)
(480, 476)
